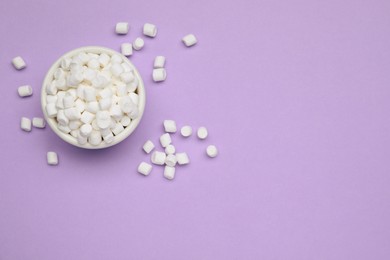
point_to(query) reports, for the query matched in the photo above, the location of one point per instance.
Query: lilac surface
(295, 94)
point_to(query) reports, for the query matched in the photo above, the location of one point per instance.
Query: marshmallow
(94, 125)
(122, 28)
(18, 63)
(72, 113)
(182, 158)
(126, 67)
(105, 103)
(127, 77)
(59, 74)
(165, 140)
(108, 138)
(212, 151)
(52, 158)
(106, 93)
(189, 40)
(169, 172)
(92, 107)
(51, 110)
(202, 133)
(144, 168)
(148, 146)
(138, 44)
(159, 62)
(118, 129)
(82, 140)
(170, 160)
(170, 126)
(89, 94)
(85, 130)
(25, 91)
(125, 121)
(158, 158)
(61, 118)
(132, 86)
(116, 69)
(170, 149)
(93, 64)
(38, 122)
(68, 101)
(25, 124)
(186, 131)
(104, 59)
(80, 105)
(74, 133)
(95, 138)
(159, 74)
(116, 112)
(87, 117)
(134, 97)
(75, 124)
(127, 49)
(150, 30)
(51, 99)
(103, 119)
(64, 128)
(116, 58)
(126, 104)
(51, 88)
(65, 63)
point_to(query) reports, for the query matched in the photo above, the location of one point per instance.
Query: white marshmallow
(127, 77)
(105, 103)
(148, 146)
(51, 110)
(150, 30)
(52, 158)
(104, 59)
(83, 57)
(82, 140)
(159, 62)
(121, 90)
(65, 63)
(72, 113)
(118, 129)
(138, 44)
(116, 69)
(59, 74)
(94, 125)
(125, 121)
(95, 138)
(25, 91)
(132, 86)
(106, 93)
(170, 160)
(80, 91)
(74, 133)
(103, 119)
(116, 58)
(170, 149)
(18, 63)
(134, 97)
(189, 40)
(144, 168)
(75, 124)
(61, 117)
(169, 172)
(51, 88)
(158, 158)
(89, 75)
(159, 74)
(80, 105)
(89, 94)
(108, 138)
(126, 104)
(85, 130)
(186, 131)
(127, 49)
(202, 132)
(122, 28)
(165, 140)
(182, 158)
(170, 126)
(68, 100)
(212, 151)
(64, 128)
(92, 107)
(38, 122)
(116, 112)
(93, 64)
(25, 124)
(87, 117)
(51, 99)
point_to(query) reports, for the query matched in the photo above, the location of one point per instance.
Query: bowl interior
(118, 138)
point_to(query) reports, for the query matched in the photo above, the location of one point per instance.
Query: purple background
(295, 94)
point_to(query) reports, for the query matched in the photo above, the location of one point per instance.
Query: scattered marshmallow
(52, 158)
(38, 122)
(144, 168)
(182, 158)
(170, 160)
(25, 91)
(170, 149)
(25, 124)
(148, 146)
(186, 131)
(18, 63)
(169, 172)
(189, 40)
(138, 44)
(150, 30)
(158, 158)
(165, 140)
(159, 74)
(170, 126)
(202, 132)
(122, 28)
(159, 62)
(212, 151)
(127, 49)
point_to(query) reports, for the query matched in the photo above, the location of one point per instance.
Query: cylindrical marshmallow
(127, 49)
(72, 113)
(170, 160)
(159, 74)
(92, 107)
(148, 146)
(144, 168)
(51, 110)
(38, 122)
(75, 124)
(87, 117)
(18, 63)
(159, 62)
(103, 119)
(85, 130)
(122, 28)
(165, 140)
(212, 151)
(25, 91)
(170, 149)
(25, 124)
(202, 132)
(95, 138)
(169, 172)
(138, 44)
(117, 129)
(125, 121)
(52, 158)
(108, 138)
(170, 126)
(186, 131)
(182, 158)
(158, 158)
(189, 40)
(150, 30)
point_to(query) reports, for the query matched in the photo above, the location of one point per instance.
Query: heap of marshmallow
(93, 97)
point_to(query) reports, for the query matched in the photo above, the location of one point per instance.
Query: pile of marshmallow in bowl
(93, 97)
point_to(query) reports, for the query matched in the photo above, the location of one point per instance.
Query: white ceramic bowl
(67, 137)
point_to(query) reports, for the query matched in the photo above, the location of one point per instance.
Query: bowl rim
(69, 138)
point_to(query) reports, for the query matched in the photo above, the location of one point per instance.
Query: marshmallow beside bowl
(52, 122)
